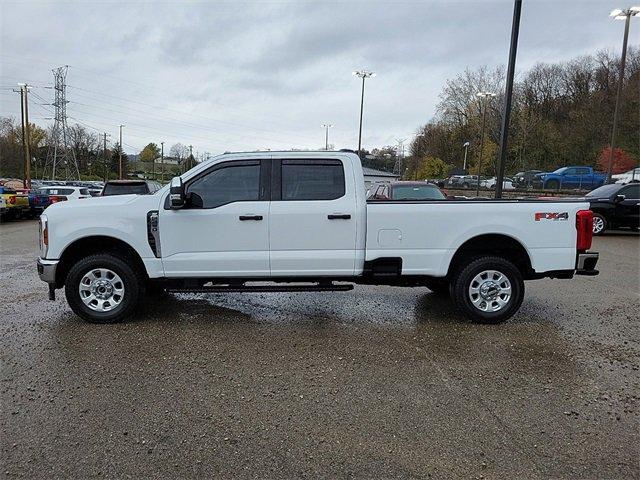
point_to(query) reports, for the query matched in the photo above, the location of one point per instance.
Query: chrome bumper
(586, 263)
(47, 270)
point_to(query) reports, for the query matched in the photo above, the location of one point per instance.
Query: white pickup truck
(300, 221)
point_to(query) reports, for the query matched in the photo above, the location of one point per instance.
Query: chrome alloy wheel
(101, 289)
(490, 291)
(598, 224)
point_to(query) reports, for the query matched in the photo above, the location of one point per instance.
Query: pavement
(379, 382)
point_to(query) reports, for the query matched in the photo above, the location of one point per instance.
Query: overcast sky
(266, 74)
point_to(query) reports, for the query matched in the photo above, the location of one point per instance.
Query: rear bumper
(586, 263)
(47, 270)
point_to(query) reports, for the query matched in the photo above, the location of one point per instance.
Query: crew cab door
(312, 218)
(222, 231)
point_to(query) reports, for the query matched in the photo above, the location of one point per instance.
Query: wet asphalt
(379, 382)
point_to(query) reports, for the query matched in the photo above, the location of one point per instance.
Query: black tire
(464, 277)
(605, 225)
(438, 286)
(552, 185)
(134, 288)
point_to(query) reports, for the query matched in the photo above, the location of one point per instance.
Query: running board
(263, 288)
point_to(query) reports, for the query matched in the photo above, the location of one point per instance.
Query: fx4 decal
(551, 216)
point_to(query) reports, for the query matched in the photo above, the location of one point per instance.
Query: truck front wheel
(488, 290)
(103, 288)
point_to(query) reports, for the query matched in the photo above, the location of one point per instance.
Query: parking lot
(377, 382)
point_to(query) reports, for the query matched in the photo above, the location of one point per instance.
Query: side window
(582, 171)
(232, 183)
(312, 179)
(631, 192)
(570, 171)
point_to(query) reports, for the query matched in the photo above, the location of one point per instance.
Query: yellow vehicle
(13, 204)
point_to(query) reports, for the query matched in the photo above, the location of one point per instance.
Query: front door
(223, 231)
(312, 219)
(628, 210)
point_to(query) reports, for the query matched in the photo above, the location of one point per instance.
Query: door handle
(339, 216)
(250, 217)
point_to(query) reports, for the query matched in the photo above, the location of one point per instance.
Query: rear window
(312, 179)
(417, 192)
(604, 191)
(125, 189)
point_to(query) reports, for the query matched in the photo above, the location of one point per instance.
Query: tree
(149, 153)
(115, 161)
(432, 167)
(622, 161)
(180, 152)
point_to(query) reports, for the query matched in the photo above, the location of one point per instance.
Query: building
(372, 176)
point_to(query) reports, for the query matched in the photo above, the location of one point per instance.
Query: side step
(329, 287)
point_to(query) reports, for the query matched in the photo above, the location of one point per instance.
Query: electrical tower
(397, 168)
(61, 160)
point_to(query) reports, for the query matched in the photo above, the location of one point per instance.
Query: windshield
(604, 191)
(125, 188)
(559, 171)
(417, 192)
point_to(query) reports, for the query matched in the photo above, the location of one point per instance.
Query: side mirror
(176, 193)
(619, 198)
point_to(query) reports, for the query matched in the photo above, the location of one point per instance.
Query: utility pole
(326, 126)
(626, 16)
(484, 96)
(190, 157)
(364, 75)
(162, 161)
(104, 153)
(508, 94)
(24, 116)
(120, 155)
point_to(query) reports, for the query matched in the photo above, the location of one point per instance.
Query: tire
(599, 224)
(107, 309)
(552, 185)
(497, 308)
(438, 286)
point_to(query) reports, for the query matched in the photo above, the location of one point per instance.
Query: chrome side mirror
(176, 193)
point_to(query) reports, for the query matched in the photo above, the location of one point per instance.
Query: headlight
(43, 237)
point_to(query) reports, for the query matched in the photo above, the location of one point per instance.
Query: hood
(104, 206)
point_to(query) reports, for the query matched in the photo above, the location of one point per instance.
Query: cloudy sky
(232, 75)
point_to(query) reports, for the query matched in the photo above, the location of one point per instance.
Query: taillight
(57, 198)
(584, 226)
(12, 200)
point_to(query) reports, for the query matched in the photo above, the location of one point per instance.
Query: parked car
(62, 193)
(525, 179)
(615, 206)
(127, 187)
(626, 177)
(507, 183)
(16, 205)
(38, 201)
(299, 220)
(583, 178)
(406, 191)
(95, 192)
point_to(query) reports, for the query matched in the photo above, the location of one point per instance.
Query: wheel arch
(93, 244)
(495, 244)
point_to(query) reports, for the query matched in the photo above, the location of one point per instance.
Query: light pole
(625, 15)
(162, 161)
(363, 74)
(326, 126)
(483, 96)
(466, 149)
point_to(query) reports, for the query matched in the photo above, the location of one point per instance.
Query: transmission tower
(397, 168)
(61, 160)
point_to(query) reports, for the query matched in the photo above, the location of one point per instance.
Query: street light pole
(484, 96)
(326, 126)
(625, 15)
(364, 74)
(162, 161)
(466, 149)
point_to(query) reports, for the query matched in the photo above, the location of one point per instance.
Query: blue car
(582, 178)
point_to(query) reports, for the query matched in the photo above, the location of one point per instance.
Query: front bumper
(586, 263)
(47, 270)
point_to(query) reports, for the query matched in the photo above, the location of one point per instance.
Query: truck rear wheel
(488, 290)
(103, 288)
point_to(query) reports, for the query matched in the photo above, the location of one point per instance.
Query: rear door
(312, 218)
(628, 210)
